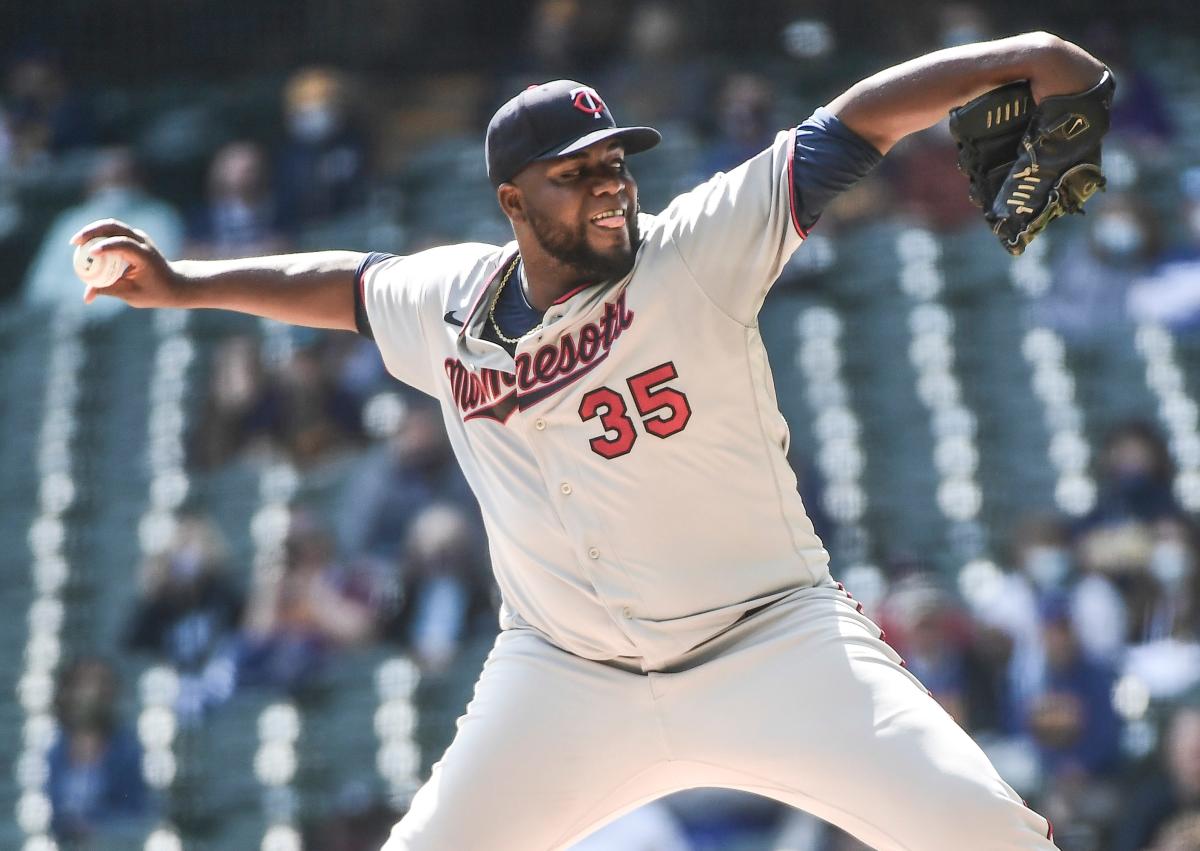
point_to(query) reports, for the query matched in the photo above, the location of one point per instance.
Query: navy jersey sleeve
(828, 159)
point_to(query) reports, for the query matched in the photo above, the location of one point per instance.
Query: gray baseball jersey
(630, 459)
(630, 462)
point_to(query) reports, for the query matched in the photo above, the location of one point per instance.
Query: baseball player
(669, 620)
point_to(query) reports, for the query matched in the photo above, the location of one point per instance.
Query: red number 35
(664, 411)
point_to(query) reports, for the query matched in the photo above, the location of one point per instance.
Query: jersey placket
(544, 428)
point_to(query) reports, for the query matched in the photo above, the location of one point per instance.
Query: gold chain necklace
(512, 341)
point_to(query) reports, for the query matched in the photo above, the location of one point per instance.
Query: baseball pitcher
(669, 620)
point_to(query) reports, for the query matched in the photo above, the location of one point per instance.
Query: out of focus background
(245, 591)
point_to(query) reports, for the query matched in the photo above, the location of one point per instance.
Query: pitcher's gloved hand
(988, 132)
(1056, 163)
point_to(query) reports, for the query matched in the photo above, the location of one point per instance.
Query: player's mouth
(609, 219)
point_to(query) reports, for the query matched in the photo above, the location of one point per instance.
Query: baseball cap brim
(636, 139)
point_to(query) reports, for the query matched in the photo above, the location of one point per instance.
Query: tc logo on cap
(585, 99)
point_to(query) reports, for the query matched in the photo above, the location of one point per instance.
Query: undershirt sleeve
(828, 159)
(361, 320)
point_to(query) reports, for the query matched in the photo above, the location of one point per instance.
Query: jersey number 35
(664, 411)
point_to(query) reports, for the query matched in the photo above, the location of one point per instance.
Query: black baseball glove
(1030, 164)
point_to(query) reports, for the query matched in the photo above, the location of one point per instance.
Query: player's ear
(512, 204)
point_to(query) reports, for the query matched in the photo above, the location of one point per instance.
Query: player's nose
(607, 184)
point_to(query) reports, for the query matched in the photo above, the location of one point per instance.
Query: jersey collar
(507, 254)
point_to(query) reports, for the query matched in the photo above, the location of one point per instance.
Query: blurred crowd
(1076, 663)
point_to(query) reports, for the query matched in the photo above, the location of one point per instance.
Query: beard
(570, 247)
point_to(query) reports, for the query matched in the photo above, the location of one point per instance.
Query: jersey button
(539, 424)
(565, 487)
(627, 613)
(593, 553)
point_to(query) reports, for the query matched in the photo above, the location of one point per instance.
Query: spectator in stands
(659, 45)
(116, 188)
(95, 782)
(396, 482)
(1009, 611)
(1116, 540)
(358, 374)
(1066, 726)
(242, 409)
(962, 23)
(936, 638)
(567, 38)
(922, 171)
(1173, 790)
(1167, 661)
(188, 610)
(745, 122)
(925, 182)
(46, 114)
(315, 607)
(1169, 294)
(1008, 607)
(319, 419)
(554, 27)
(297, 408)
(1093, 272)
(1135, 476)
(1070, 718)
(445, 585)
(1050, 567)
(240, 218)
(321, 169)
(1140, 116)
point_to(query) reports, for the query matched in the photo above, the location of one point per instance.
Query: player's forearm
(316, 290)
(905, 98)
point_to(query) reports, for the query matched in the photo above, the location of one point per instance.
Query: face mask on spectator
(1047, 566)
(89, 704)
(314, 123)
(186, 564)
(1170, 562)
(1138, 488)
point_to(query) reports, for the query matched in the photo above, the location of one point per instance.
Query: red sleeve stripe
(792, 187)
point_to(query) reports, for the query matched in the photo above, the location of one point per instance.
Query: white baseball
(97, 271)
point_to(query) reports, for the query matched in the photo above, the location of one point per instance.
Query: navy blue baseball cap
(553, 120)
